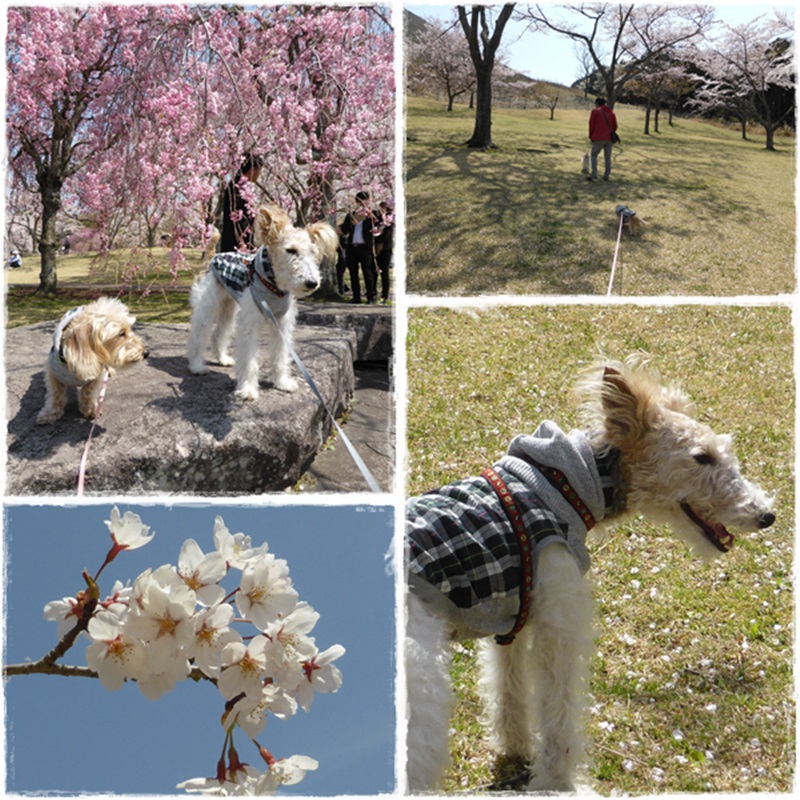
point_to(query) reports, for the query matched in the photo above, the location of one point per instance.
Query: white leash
(85, 456)
(616, 253)
(371, 482)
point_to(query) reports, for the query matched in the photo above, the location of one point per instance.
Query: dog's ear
(325, 238)
(675, 400)
(627, 407)
(81, 348)
(270, 222)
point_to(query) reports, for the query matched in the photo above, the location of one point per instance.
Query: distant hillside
(413, 24)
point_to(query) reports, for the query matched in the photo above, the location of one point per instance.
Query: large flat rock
(166, 431)
(372, 324)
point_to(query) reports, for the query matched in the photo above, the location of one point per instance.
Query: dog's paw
(224, 360)
(246, 393)
(198, 367)
(48, 416)
(286, 384)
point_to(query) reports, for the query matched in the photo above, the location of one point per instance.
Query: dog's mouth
(717, 534)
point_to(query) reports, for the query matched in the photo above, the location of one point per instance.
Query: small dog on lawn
(284, 268)
(630, 220)
(503, 555)
(87, 341)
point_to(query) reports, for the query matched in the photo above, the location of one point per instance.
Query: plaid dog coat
(463, 554)
(239, 271)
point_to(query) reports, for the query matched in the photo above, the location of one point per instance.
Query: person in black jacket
(237, 219)
(358, 231)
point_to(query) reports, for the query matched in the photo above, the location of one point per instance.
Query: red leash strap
(526, 556)
(558, 480)
(85, 456)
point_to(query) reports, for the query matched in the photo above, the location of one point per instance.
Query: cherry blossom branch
(40, 668)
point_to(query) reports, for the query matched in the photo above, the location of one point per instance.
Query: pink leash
(616, 253)
(85, 456)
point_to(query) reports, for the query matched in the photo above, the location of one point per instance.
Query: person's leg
(352, 267)
(370, 276)
(607, 148)
(596, 148)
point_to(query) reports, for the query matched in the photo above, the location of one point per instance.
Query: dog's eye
(292, 251)
(706, 459)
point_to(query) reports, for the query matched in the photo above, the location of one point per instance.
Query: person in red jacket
(602, 126)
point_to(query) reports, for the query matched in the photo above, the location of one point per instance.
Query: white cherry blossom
(243, 668)
(66, 612)
(320, 676)
(164, 678)
(113, 655)
(202, 572)
(128, 531)
(285, 772)
(266, 593)
(235, 548)
(162, 616)
(211, 633)
(290, 645)
(250, 713)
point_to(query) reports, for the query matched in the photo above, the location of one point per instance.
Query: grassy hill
(522, 219)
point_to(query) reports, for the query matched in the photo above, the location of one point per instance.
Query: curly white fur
(673, 469)
(295, 255)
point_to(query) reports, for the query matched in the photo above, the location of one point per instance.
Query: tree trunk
(647, 120)
(48, 244)
(482, 50)
(743, 120)
(770, 130)
(482, 132)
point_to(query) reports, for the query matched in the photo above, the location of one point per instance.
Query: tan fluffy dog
(88, 340)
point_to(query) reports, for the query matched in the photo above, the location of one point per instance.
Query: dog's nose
(311, 285)
(765, 520)
(146, 354)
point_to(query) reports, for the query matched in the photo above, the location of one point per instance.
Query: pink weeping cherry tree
(135, 117)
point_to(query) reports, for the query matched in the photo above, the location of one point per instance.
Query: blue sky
(548, 56)
(72, 735)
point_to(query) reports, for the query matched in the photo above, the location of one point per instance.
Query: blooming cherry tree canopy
(137, 116)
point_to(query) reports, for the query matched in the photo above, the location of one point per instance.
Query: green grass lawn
(692, 683)
(141, 278)
(522, 219)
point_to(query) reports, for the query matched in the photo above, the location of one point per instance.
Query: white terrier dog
(489, 553)
(285, 267)
(87, 341)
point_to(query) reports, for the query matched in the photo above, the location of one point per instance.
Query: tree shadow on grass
(525, 220)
